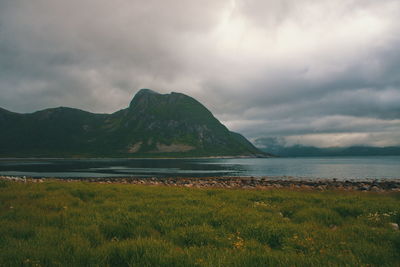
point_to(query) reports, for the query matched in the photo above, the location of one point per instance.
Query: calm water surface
(327, 167)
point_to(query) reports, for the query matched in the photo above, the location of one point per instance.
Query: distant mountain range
(154, 125)
(310, 151)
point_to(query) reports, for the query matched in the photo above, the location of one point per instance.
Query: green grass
(87, 224)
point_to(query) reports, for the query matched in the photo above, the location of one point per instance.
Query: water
(327, 167)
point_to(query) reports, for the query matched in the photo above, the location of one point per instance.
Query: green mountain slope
(154, 125)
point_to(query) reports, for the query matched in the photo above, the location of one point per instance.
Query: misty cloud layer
(323, 73)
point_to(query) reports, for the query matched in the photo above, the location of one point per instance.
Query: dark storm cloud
(56, 51)
(313, 72)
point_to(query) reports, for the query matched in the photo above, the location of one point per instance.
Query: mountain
(278, 146)
(154, 125)
(310, 151)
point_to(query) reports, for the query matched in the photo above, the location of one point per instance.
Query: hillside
(154, 125)
(310, 151)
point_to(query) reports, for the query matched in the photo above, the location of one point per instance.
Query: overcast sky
(323, 73)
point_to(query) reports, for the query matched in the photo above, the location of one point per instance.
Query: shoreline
(141, 158)
(257, 183)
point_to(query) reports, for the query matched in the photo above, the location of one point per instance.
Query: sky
(323, 73)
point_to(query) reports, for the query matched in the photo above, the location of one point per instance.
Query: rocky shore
(260, 183)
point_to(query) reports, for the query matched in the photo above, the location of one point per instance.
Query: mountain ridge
(153, 125)
(312, 151)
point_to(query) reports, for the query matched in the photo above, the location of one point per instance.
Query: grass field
(88, 224)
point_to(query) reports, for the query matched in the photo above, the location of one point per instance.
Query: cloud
(299, 70)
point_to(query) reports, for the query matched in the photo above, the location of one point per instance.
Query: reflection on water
(334, 167)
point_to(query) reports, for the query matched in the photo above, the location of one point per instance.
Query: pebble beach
(259, 183)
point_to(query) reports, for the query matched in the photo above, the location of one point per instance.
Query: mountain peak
(147, 97)
(143, 95)
(146, 91)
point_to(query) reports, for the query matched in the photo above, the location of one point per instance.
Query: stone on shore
(394, 226)
(258, 183)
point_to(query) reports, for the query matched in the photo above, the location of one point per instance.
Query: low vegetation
(88, 224)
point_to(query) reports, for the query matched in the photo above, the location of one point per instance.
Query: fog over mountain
(320, 73)
(279, 147)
